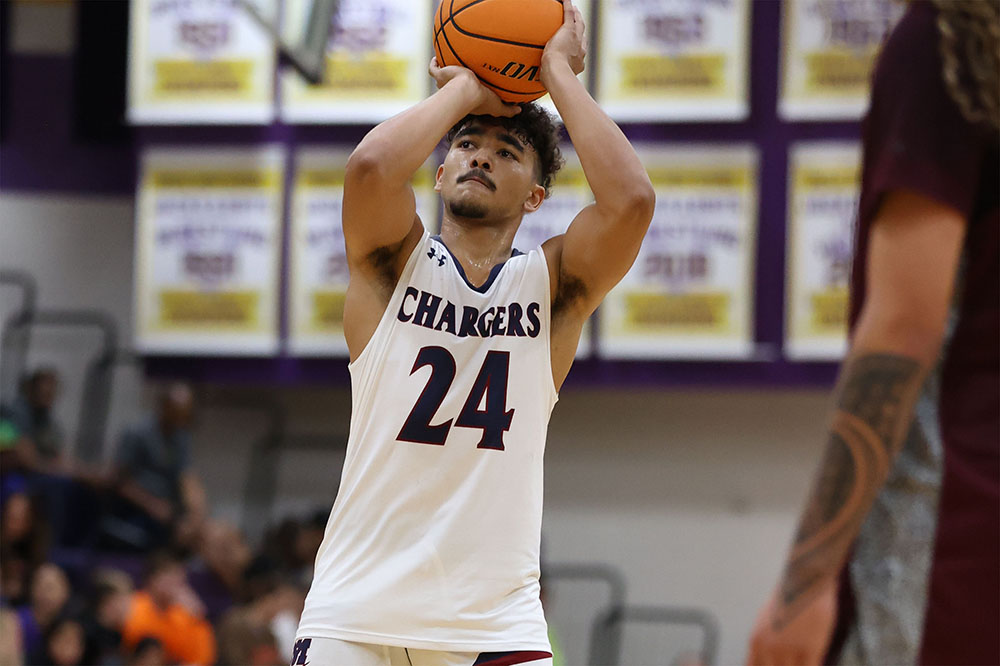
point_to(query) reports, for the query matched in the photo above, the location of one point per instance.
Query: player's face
(489, 174)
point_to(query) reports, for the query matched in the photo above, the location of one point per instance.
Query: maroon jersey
(916, 139)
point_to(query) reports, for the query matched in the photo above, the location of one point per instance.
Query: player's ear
(535, 198)
(437, 178)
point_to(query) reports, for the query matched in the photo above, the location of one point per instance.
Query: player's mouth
(480, 177)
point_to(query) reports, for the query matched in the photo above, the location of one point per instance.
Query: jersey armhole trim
(404, 277)
(554, 397)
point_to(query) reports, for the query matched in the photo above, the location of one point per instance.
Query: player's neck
(478, 247)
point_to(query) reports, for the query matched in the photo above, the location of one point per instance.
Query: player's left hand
(568, 44)
(488, 102)
(800, 639)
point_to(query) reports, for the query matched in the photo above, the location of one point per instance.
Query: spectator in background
(31, 413)
(167, 609)
(160, 501)
(293, 545)
(32, 450)
(11, 645)
(17, 454)
(63, 645)
(50, 592)
(226, 554)
(264, 625)
(108, 608)
(24, 542)
(148, 652)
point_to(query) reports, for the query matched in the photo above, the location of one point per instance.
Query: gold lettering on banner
(838, 72)
(321, 178)
(195, 179)
(379, 74)
(216, 78)
(701, 75)
(829, 310)
(225, 309)
(845, 178)
(328, 309)
(698, 177)
(657, 311)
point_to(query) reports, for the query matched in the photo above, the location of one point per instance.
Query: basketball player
(923, 582)
(458, 347)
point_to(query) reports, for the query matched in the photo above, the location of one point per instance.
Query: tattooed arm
(912, 260)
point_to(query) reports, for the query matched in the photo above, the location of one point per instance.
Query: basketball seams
(452, 14)
(481, 79)
(484, 38)
(484, 81)
(441, 31)
(439, 53)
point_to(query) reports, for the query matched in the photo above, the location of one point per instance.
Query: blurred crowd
(122, 563)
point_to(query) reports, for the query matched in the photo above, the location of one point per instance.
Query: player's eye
(464, 144)
(507, 154)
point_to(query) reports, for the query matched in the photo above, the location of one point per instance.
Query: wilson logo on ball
(515, 70)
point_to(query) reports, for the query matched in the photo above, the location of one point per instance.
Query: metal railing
(609, 629)
(604, 640)
(98, 377)
(14, 355)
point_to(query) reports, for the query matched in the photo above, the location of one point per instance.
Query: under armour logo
(442, 259)
(299, 652)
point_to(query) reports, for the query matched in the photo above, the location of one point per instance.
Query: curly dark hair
(536, 127)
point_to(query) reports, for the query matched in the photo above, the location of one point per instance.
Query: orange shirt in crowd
(186, 639)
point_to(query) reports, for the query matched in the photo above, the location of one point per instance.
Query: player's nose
(481, 161)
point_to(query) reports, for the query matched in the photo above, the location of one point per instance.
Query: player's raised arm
(603, 240)
(379, 206)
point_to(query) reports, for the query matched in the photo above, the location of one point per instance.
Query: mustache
(478, 174)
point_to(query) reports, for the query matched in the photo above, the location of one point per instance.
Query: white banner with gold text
(376, 63)
(200, 61)
(674, 60)
(822, 209)
(208, 245)
(690, 292)
(828, 51)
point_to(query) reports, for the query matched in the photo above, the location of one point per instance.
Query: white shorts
(333, 652)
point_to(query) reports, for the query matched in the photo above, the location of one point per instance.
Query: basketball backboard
(302, 45)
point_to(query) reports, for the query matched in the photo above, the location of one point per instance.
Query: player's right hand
(800, 638)
(488, 104)
(569, 43)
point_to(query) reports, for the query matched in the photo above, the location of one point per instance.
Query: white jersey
(433, 541)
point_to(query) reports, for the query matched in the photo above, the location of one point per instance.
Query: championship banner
(546, 100)
(828, 51)
(674, 59)
(690, 292)
(199, 61)
(823, 204)
(376, 63)
(317, 258)
(570, 195)
(208, 246)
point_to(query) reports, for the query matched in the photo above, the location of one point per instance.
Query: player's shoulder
(552, 248)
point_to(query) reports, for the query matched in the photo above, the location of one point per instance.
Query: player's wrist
(554, 66)
(471, 93)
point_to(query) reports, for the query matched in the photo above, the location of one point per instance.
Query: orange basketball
(500, 40)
